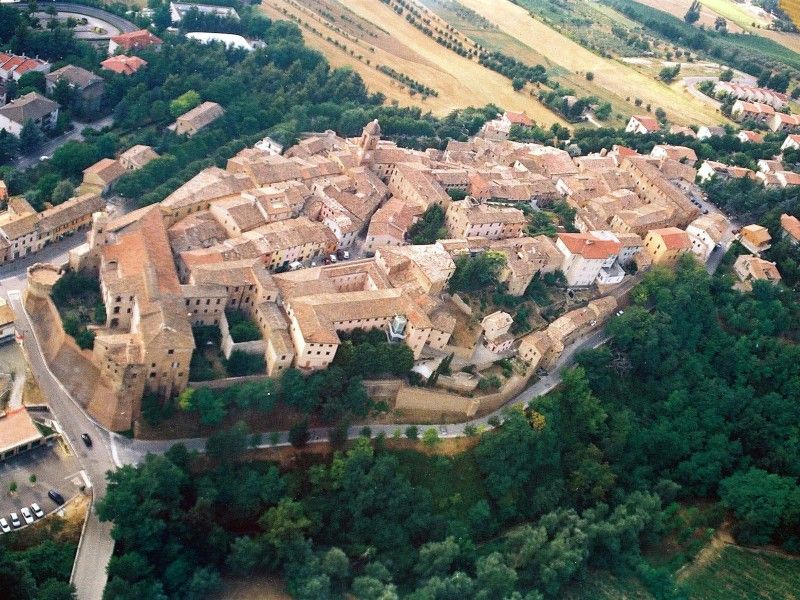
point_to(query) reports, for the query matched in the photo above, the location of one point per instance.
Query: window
(171, 351)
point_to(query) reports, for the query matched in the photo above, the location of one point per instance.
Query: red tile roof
(673, 238)
(124, 65)
(518, 118)
(589, 246)
(649, 123)
(791, 225)
(136, 39)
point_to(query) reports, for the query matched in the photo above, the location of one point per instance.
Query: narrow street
(96, 546)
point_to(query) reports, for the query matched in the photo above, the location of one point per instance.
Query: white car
(37, 512)
(26, 514)
(4, 525)
(15, 520)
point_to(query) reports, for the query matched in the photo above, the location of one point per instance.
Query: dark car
(86, 440)
(56, 497)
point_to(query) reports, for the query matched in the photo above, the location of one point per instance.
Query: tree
(15, 579)
(184, 103)
(494, 577)
(209, 405)
(62, 192)
(228, 445)
(721, 25)
(53, 589)
(12, 487)
(436, 558)
(478, 272)
(517, 83)
(726, 75)
(63, 93)
(299, 434)
(760, 501)
(668, 74)
(32, 81)
(32, 478)
(589, 76)
(429, 228)
(693, 14)
(603, 111)
(412, 432)
(30, 138)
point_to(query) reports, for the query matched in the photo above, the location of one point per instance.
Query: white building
(590, 257)
(30, 107)
(177, 10)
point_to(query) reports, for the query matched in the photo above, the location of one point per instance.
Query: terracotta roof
(589, 246)
(124, 65)
(752, 136)
(649, 123)
(136, 39)
(518, 118)
(71, 210)
(791, 225)
(17, 429)
(673, 238)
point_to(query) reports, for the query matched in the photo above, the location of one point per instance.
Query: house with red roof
(13, 66)
(516, 118)
(666, 245)
(587, 255)
(791, 228)
(642, 124)
(124, 65)
(751, 137)
(135, 40)
(792, 142)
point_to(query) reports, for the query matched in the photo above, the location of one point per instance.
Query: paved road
(94, 552)
(89, 11)
(132, 451)
(50, 146)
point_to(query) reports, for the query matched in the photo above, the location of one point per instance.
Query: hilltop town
(313, 243)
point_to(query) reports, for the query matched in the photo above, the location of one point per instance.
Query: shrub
(243, 363)
(412, 432)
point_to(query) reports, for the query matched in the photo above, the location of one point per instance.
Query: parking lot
(54, 469)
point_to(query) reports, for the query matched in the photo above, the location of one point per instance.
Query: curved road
(123, 25)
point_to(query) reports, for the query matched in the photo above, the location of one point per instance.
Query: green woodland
(694, 399)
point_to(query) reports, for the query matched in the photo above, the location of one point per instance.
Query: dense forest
(695, 398)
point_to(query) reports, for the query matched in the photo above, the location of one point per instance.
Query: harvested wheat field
(618, 79)
(357, 33)
(678, 8)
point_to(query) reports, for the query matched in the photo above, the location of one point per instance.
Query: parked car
(333, 258)
(86, 440)
(15, 520)
(4, 525)
(26, 514)
(37, 511)
(56, 497)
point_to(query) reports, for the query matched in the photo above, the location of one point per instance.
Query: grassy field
(353, 25)
(736, 573)
(735, 12)
(621, 82)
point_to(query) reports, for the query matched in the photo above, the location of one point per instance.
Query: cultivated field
(739, 18)
(678, 8)
(356, 33)
(619, 80)
(737, 573)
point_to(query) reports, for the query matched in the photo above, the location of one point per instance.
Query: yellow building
(665, 246)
